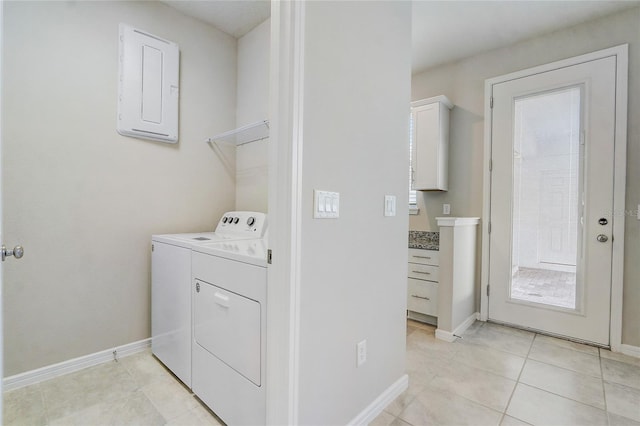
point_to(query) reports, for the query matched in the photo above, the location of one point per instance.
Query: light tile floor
(136, 390)
(493, 375)
(497, 375)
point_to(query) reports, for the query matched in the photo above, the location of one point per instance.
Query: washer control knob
(251, 221)
(224, 219)
(236, 220)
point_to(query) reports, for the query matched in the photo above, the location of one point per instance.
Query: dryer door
(227, 325)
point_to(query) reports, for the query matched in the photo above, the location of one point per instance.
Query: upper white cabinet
(430, 138)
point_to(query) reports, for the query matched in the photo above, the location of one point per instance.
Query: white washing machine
(229, 329)
(171, 303)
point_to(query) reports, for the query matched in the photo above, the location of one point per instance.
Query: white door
(552, 185)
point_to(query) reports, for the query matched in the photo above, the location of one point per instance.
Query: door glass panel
(546, 198)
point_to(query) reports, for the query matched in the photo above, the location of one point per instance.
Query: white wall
(253, 106)
(83, 200)
(353, 269)
(463, 83)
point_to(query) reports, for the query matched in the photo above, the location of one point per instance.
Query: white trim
(486, 203)
(1, 216)
(73, 365)
(449, 336)
(285, 211)
(440, 98)
(633, 351)
(617, 281)
(457, 221)
(619, 185)
(374, 409)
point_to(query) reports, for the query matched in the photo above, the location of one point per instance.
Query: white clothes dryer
(229, 329)
(171, 310)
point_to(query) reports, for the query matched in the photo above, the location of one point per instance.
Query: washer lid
(186, 240)
(253, 251)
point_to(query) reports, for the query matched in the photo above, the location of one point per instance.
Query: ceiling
(443, 31)
(235, 17)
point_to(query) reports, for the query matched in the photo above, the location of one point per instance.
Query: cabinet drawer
(422, 297)
(426, 257)
(423, 272)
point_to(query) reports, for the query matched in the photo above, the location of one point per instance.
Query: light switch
(326, 204)
(389, 205)
(446, 209)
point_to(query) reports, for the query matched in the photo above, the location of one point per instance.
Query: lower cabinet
(423, 297)
(422, 285)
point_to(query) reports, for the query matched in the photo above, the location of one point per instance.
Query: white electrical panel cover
(148, 86)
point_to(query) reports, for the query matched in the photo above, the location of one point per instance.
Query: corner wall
(352, 282)
(463, 83)
(253, 106)
(84, 200)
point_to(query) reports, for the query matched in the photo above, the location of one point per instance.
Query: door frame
(1, 217)
(285, 210)
(620, 165)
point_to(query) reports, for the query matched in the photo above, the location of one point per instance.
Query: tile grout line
(566, 397)
(604, 392)
(481, 369)
(518, 379)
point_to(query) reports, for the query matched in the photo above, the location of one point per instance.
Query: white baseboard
(450, 336)
(633, 351)
(381, 402)
(72, 365)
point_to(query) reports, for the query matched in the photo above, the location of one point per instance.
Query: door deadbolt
(603, 221)
(602, 238)
(17, 252)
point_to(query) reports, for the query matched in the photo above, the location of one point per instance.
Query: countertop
(425, 240)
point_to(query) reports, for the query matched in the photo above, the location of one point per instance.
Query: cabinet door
(430, 134)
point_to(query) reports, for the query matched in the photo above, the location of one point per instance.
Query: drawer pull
(420, 297)
(422, 257)
(221, 300)
(421, 272)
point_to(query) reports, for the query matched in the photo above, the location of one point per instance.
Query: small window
(413, 197)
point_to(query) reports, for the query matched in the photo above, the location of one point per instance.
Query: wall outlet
(361, 353)
(446, 209)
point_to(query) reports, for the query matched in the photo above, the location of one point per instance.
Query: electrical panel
(148, 86)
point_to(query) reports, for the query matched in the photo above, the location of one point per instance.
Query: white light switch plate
(446, 209)
(361, 353)
(389, 205)
(326, 204)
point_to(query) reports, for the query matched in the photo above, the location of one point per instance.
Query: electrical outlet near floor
(361, 352)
